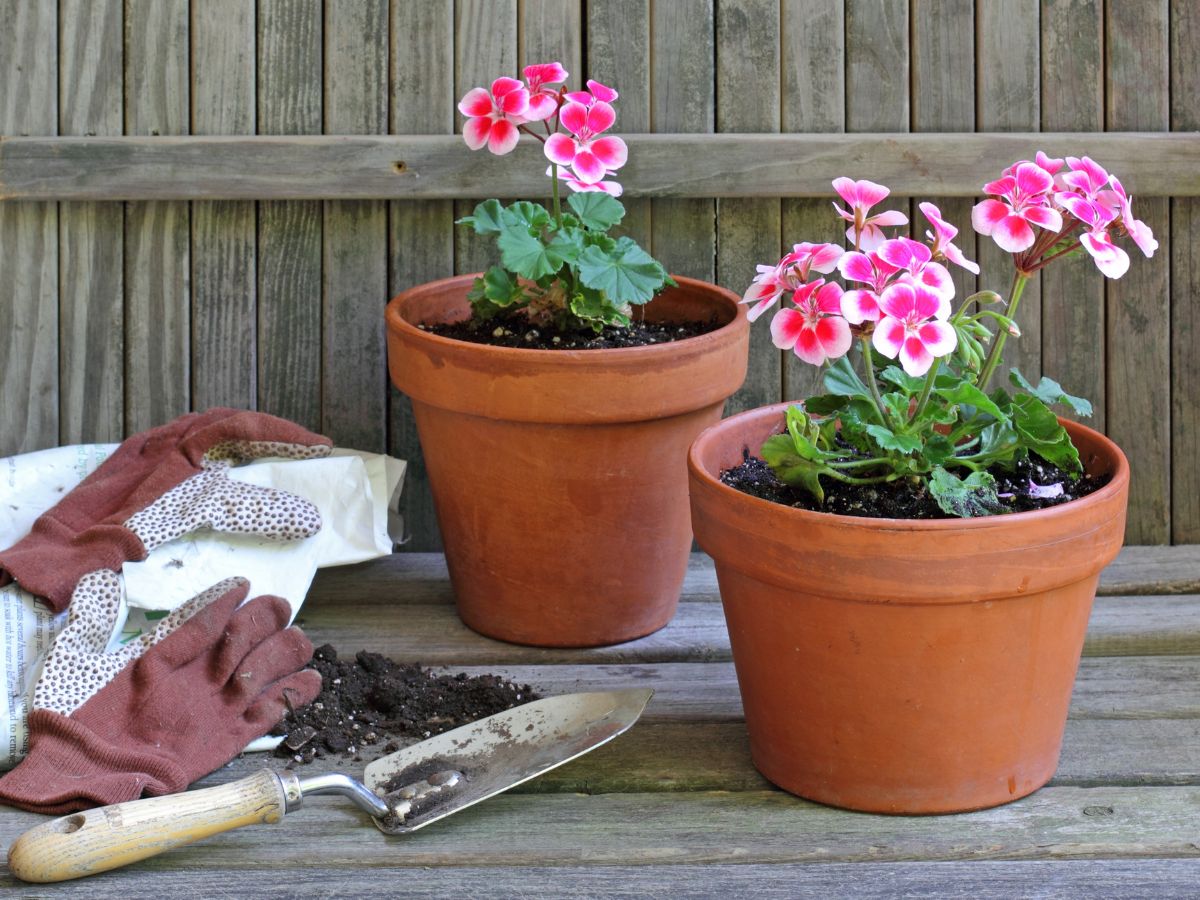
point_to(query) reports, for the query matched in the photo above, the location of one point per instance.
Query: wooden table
(675, 808)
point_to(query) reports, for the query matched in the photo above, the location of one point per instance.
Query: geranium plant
(560, 266)
(919, 404)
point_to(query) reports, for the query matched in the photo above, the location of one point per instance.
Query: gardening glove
(159, 485)
(185, 707)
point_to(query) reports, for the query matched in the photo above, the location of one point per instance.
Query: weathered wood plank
(1073, 292)
(552, 30)
(1008, 53)
(877, 69)
(1138, 324)
(1185, 288)
(421, 236)
(661, 165)
(91, 245)
(683, 232)
(224, 306)
(814, 89)
(749, 229)
(29, 368)
(289, 61)
(354, 274)
(157, 234)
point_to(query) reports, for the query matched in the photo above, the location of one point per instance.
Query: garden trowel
(402, 792)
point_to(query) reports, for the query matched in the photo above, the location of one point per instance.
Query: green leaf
(596, 209)
(779, 452)
(889, 440)
(897, 405)
(824, 405)
(805, 433)
(938, 449)
(628, 274)
(954, 389)
(487, 218)
(974, 495)
(999, 440)
(501, 288)
(532, 216)
(597, 310)
(524, 254)
(841, 379)
(1040, 431)
(901, 379)
(568, 243)
(1050, 391)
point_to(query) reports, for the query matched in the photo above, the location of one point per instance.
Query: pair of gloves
(182, 700)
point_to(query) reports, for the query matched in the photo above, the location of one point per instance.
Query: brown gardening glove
(184, 708)
(159, 485)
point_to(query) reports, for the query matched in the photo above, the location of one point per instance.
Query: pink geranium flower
(493, 116)
(862, 304)
(865, 231)
(543, 100)
(1086, 176)
(1024, 203)
(911, 328)
(611, 188)
(1118, 202)
(915, 259)
(1049, 164)
(596, 91)
(790, 274)
(588, 154)
(815, 330)
(1109, 258)
(944, 233)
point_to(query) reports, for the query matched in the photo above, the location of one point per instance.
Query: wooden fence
(159, 253)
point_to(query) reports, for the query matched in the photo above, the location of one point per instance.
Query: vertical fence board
(814, 92)
(28, 236)
(618, 54)
(1185, 287)
(683, 100)
(422, 233)
(553, 30)
(157, 235)
(1073, 291)
(354, 367)
(288, 266)
(748, 229)
(224, 313)
(1139, 305)
(91, 243)
(1007, 62)
(485, 47)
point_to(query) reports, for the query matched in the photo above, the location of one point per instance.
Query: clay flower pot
(904, 666)
(558, 476)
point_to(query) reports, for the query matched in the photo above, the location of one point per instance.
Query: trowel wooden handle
(97, 840)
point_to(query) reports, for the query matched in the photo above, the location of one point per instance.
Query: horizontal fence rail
(432, 167)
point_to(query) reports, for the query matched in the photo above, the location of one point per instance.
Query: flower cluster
(933, 413)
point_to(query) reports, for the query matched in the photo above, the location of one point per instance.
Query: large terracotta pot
(904, 666)
(558, 476)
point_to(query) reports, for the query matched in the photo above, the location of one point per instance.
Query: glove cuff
(49, 561)
(70, 767)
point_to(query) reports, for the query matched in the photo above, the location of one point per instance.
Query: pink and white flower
(493, 116)
(911, 328)
(1049, 164)
(862, 304)
(611, 188)
(1109, 258)
(596, 91)
(1086, 176)
(915, 259)
(943, 235)
(543, 100)
(589, 155)
(790, 274)
(1118, 202)
(815, 330)
(865, 231)
(1024, 203)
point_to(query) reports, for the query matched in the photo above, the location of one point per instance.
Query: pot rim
(1118, 481)
(564, 358)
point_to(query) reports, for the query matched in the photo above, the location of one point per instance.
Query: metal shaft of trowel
(402, 800)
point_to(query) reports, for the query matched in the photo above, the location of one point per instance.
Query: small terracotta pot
(558, 476)
(904, 666)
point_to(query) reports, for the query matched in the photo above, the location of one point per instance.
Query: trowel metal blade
(504, 750)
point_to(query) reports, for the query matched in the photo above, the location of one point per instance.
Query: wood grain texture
(749, 229)
(1138, 323)
(877, 69)
(683, 232)
(157, 234)
(289, 101)
(224, 303)
(1072, 77)
(421, 238)
(1007, 54)
(355, 288)
(29, 263)
(1185, 288)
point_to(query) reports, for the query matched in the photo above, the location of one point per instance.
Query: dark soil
(904, 500)
(517, 331)
(372, 705)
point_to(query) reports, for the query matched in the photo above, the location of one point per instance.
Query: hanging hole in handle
(71, 824)
(399, 167)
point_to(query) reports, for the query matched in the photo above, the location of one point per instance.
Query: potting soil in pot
(1031, 485)
(518, 331)
(370, 706)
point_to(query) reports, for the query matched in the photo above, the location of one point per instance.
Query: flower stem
(858, 463)
(869, 369)
(1053, 256)
(993, 358)
(925, 392)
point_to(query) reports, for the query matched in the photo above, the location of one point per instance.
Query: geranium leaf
(486, 219)
(841, 379)
(1050, 391)
(628, 274)
(967, 497)
(779, 452)
(532, 215)
(889, 440)
(501, 288)
(597, 310)
(901, 379)
(596, 210)
(1039, 430)
(955, 390)
(524, 254)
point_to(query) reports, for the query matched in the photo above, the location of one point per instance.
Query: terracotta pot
(558, 476)
(904, 666)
